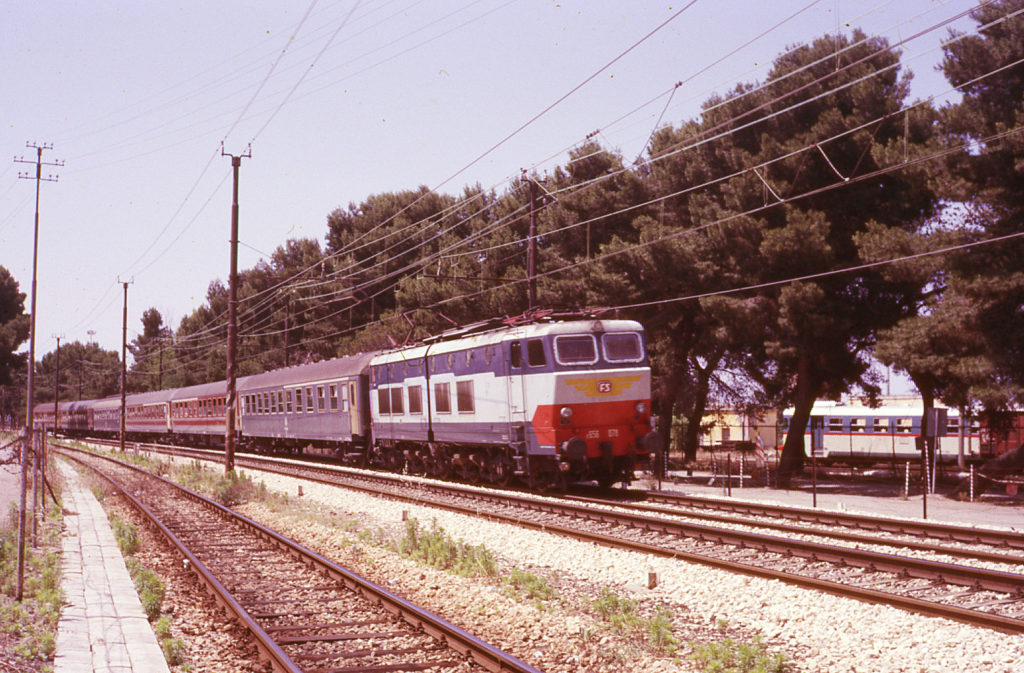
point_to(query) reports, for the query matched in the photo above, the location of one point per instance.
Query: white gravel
(820, 632)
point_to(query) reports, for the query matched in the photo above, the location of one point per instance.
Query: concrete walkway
(102, 626)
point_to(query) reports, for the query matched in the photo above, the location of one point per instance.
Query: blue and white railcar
(854, 433)
(319, 404)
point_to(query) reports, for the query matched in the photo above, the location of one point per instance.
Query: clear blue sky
(364, 98)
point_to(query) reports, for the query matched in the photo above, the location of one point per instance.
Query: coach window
(881, 425)
(321, 401)
(515, 352)
(858, 425)
(280, 401)
(309, 400)
(835, 424)
(464, 396)
(288, 401)
(622, 347)
(904, 425)
(273, 402)
(332, 396)
(535, 353)
(396, 401)
(383, 401)
(576, 350)
(415, 400)
(344, 398)
(443, 398)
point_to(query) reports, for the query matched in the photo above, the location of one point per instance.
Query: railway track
(305, 613)
(979, 596)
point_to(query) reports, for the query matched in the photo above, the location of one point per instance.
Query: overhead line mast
(232, 402)
(30, 393)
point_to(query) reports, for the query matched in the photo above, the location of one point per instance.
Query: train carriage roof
(316, 372)
(203, 390)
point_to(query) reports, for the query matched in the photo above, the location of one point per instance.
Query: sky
(337, 100)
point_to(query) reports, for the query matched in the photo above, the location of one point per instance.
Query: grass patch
(526, 584)
(439, 550)
(624, 615)
(731, 656)
(31, 625)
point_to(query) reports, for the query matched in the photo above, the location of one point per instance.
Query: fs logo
(603, 387)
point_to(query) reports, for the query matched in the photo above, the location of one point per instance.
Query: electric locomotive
(547, 401)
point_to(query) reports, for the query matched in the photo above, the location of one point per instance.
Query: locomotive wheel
(498, 470)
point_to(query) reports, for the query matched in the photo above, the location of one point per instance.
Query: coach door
(354, 411)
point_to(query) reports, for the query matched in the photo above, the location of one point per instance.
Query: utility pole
(229, 433)
(56, 388)
(31, 351)
(124, 355)
(531, 249)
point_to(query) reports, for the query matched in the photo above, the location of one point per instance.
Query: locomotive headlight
(641, 407)
(566, 414)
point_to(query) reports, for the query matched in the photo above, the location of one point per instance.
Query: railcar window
(443, 398)
(321, 401)
(289, 400)
(516, 354)
(535, 353)
(298, 400)
(858, 425)
(905, 425)
(309, 400)
(332, 394)
(273, 403)
(344, 398)
(383, 401)
(396, 401)
(464, 396)
(280, 401)
(415, 400)
(835, 424)
(576, 350)
(881, 425)
(622, 347)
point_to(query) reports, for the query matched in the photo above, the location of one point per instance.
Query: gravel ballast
(818, 632)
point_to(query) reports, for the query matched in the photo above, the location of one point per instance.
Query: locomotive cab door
(514, 367)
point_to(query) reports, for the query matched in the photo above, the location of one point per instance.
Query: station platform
(102, 626)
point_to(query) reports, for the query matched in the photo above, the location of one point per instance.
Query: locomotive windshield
(622, 347)
(576, 349)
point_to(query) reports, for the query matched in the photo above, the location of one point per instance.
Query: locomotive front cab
(596, 416)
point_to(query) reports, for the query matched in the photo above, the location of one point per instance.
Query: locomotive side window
(535, 353)
(415, 400)
(516, 354)
(443, 398)
(576, 350)
(464, 396)
(622, 347)
(383, 401)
